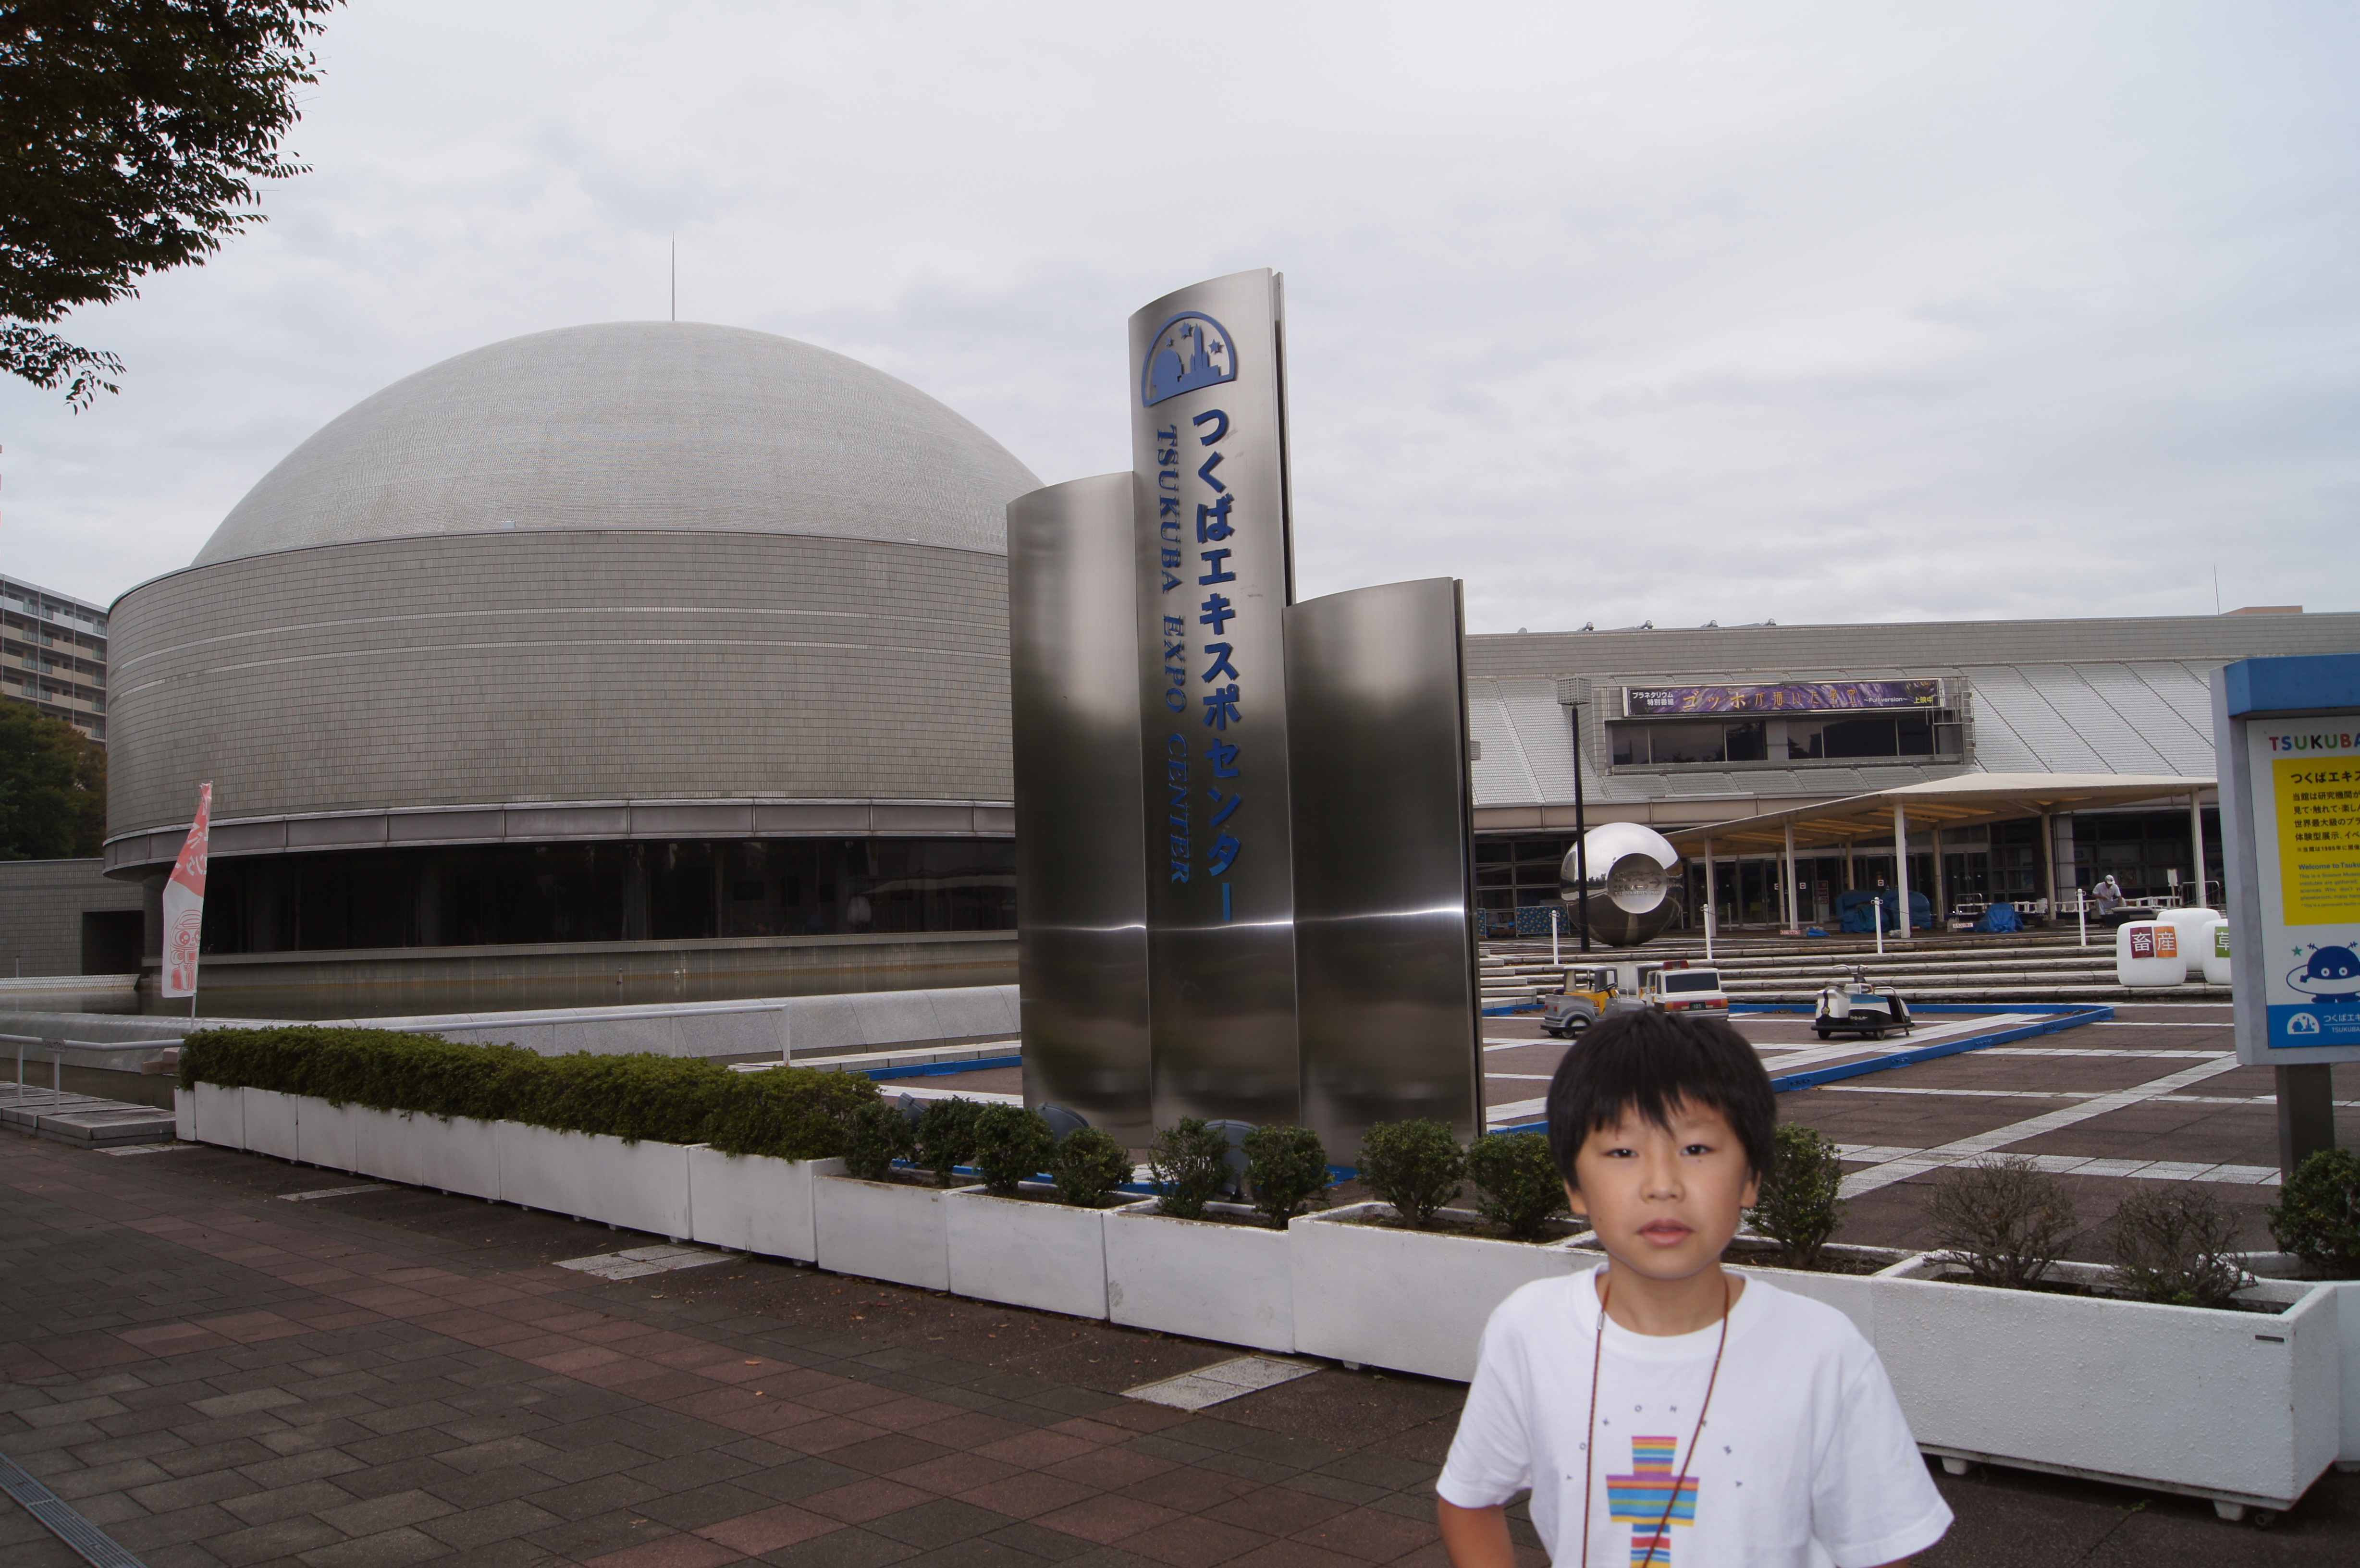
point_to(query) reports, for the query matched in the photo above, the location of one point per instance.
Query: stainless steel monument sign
(1208, 451)
(1248, 895)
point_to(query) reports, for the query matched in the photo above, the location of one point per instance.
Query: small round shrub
(2317, 1217)
(1012, 1144)
(1517, 1186)
(946, 1137)
(876, 1135)
(1189, 1167)
(1286, 1171)
(1415, 1166)
(1088, 1165)
(1798, 1206)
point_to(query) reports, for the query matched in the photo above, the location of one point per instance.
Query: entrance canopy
(1941, 802)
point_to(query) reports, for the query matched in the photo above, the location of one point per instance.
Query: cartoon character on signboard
(2331, 974)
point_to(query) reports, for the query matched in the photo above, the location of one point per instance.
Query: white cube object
(2150, 953)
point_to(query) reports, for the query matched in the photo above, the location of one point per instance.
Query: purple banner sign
(1788, 697)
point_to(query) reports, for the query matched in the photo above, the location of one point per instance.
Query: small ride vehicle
(1588, 994)
(1858, 1007)
(1680, 986)
(1677, 986)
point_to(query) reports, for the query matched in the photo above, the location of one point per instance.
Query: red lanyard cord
(1589, 1443)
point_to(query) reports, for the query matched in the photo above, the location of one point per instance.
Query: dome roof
(638, 425)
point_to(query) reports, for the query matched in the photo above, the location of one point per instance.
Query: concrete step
(82, 1120)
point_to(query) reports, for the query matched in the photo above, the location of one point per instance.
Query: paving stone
(499, 1521)
(373, 1516)
(265, 1543)
(586, 1500)
(937, 1523)
(270, 1505)
(849, 1548)
(390, 1549)
(164, 1497)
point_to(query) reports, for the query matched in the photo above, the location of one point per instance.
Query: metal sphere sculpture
(1633, 891)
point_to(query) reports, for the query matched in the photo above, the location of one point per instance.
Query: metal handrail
(58, 1047)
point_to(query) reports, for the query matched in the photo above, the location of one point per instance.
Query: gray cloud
(1822, 313)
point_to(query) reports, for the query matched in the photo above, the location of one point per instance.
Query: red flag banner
(184, 903)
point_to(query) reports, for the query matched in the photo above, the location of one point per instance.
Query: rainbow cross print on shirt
(1646, 1501)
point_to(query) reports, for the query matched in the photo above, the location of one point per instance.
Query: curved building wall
(515, 673)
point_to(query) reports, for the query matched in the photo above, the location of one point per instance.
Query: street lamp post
(1580, 836)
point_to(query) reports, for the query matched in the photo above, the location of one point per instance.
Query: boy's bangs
(1651, 1062)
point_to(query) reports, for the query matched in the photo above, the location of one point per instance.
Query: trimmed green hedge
(792, 1112)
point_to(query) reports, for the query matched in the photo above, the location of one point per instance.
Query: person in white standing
(1662, 1411)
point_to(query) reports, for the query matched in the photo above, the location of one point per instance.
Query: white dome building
(624, 662)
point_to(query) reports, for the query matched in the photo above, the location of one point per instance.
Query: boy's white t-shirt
(1804, 1459)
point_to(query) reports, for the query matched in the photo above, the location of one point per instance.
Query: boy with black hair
(1664, 1413)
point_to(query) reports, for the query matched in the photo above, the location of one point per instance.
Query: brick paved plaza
(213, 1374)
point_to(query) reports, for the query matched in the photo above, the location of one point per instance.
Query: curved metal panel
(1080, 851)
(1383, 875)
(1215, 574)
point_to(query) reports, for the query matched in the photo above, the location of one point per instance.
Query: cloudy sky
(1821, 312)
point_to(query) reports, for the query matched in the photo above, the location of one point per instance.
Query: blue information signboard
(2289, 735)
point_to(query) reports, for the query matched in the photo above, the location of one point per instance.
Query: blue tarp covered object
(2000, 916)
(1855, 910)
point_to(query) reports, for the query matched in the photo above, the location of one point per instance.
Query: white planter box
(1049, 1255)
(2233, 1406)
(461, 1155)
(386, 1144)
(2348, 1319)
(638, 1186)
(1412, 1300)
(2281, 1265)
(882, 1230)
(220, 1116)
(1855, 1295)
(1230, 1283)
(751, 1202)
(184, 1115)
(270, 1123)
(324, 1133)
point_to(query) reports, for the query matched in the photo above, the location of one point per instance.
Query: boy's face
(1664, 1201)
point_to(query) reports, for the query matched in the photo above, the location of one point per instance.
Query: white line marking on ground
(1889, 1171)
(2127, 1053)
(1970, 1094)
(633, 1262)
(2066, 1095)
(317, 1194)
(2143, 1023)
(1221, 1381)
(1515, 1111)
(1925, 1034)
(2084, 1165)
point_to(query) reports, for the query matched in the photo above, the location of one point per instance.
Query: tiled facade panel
(596, 665)
(41, 905)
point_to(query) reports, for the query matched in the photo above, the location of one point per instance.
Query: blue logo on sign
(1189, 351)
